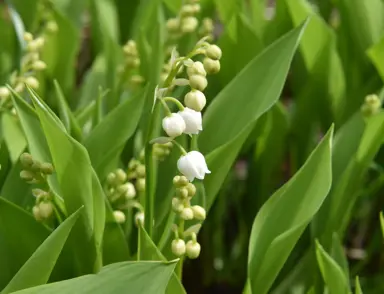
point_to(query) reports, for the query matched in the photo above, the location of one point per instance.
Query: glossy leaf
(135, 277)
(376, 54)
(358, 289)
(283, 218)
(13, 136)
(332, 273)
(39, 266)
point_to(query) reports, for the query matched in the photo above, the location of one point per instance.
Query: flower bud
(192, 119)
(372, 105)
(27, 175)
(207, 25)
(193, 249)
(32, 82)
(4, 92)
(39, 42)
(26, 160)
(193, 165)
(186, 213)
(140, 170)
(195, 100)
(196, 8)
(189, 24)
(35, 166)
(36, 213)
(213, 52)
(137, 79)
(139, 218)
(111, 178)
(130, 193)
(174, 125)
(172, 25)
(140, 184)
(45, 209)
(28, 37)
(187, 10)
(52, 27)
(121, 176)
(46, 168)
(119, 216)
(177, 205)
(19, 87)
(39, 65)
(199, 212)
(182, 193)
(211, 66)
(197, 68)
(198, 82)
(191, 189)
(178, 247)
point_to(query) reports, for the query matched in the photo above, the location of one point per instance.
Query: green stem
(179, 268)
(174, 100)
(166, 108)
(180, 147)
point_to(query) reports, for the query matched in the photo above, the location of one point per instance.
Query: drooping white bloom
(193, 121)
(193, 249)
(174, 125)
(193, 165)
(178, 247)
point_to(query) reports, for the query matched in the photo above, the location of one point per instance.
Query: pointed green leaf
(13, 136)
(332, 273)
(376, 54)
(38, 268)
(283, 218)
(358, 289)
(338, 254)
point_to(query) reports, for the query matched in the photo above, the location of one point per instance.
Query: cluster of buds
(130, 69)
(43, 208)
(371, 106)
(206, 28)
(30, 65)
(181, 205)
(47, 19)
(161, 151)
(186, 21)
(34, 171)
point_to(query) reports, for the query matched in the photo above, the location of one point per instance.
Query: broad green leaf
(284, 217)
(27, 11)
(133, 277)
(338, 255)
(79, 186)
(107, 139)
(13, 136)
(358, 289)
(16, 248)
(38, 268)
(376, 54)
(149, 251)
(332, 273)
(222, 139)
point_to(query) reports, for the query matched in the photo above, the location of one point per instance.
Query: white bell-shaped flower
(174, 125)
(193, 121)
(193, 165)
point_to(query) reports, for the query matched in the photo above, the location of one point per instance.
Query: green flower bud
(139, 218)
(186, 213)
(182, 193)
(111, 179)
(28, 37)
(141, 171)
(19, 87)
(39, 65)
(371, 106)
(199, 212)
(140, 184)
(46, 168)
(36, 166)
(4, 92)
(196, 8)
(172, 25)
(191, 189)
(45, 209)
(119, 216)
(129, 191)
(27, 175)
(178, 247)
(193, 249)
(137, 80)
(133, 62)
(36, 213)
(32, 82)
(121, 176)
(52, 27)
(187, 10)
(213, 52)
(207, 25)
(177, 205)
(189, 24)
(176, 180)
(197, 68)
(26, 160)
(198, 82)
(195, 100)
(211, 66)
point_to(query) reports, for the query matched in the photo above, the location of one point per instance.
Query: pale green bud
(140, 184)
(27, 175)
(4, 92)
(45, 209)
(36, 213)
(46, 168)
(32, 82)
(207, 25)
(121, 176)
(141, 171)
(193, 249)
(195, 100)
(26, 160)
(111, 178)
(198, 82)
(213, 52)
(52, 27)
(39, 65)
(139, 219)
(182, 193)
(199, 212)
(178, 247)
(19, 88)
(28, 37)
(137, 80)
(372, 105)
(177, 205)
(186, 213)
(172, 25)
(211, 66)
(187, 10)
(189, 24)
(133, 62)
(191, 189)
(196, 8)
(119, 216)
(130, 192)
(197, 68)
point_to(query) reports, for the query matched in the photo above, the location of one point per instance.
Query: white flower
(119, 216)
(178, 247)
(193, 165)
(193, 121)
(174, 125)
(193, 249)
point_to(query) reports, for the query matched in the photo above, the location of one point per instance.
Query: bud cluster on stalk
(34, 171)
(161, 151)
(130, 71)
(43, 209)
(371, 106)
